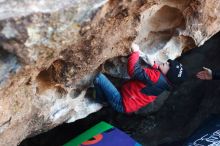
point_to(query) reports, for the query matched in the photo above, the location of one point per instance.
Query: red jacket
(143, 87)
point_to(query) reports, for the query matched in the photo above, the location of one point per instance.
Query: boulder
(60, 47)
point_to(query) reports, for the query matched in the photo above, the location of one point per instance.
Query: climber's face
(164, 67)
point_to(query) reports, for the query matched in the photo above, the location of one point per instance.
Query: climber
(208, 74)
(143, 87)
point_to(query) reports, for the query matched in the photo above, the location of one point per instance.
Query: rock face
(60, 51)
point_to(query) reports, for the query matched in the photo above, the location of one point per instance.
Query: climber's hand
(156, 64)
(205, 74)
(135, 48)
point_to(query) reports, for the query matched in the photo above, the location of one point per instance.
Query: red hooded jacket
(143, 87)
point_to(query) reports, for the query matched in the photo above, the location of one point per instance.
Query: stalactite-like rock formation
(60, 51)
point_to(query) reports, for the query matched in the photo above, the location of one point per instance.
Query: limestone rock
(60, 52)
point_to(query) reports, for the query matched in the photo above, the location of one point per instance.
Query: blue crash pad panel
(207, 135)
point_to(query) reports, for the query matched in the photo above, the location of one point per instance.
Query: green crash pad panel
(103, 134)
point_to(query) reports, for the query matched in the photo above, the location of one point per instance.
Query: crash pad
(208, 134)
(103, 134)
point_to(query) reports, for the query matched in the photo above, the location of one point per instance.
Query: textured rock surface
(37, 38)
(8, 64)
(60, 52)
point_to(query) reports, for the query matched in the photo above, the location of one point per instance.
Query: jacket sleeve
(135, 71)
(155, 66)
(216, 74)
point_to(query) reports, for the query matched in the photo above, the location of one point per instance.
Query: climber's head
(174, 71)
